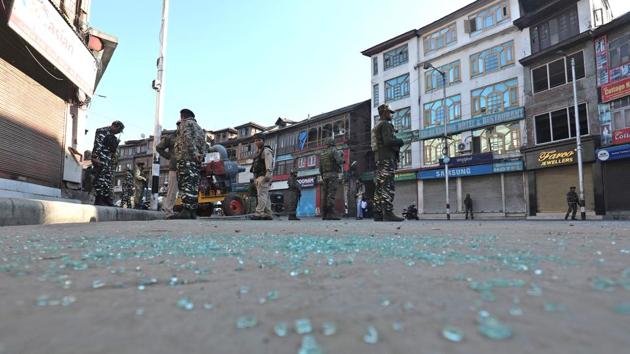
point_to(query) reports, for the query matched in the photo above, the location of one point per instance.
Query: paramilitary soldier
(386, 148)
(103, 155)
(139, 183)
(127, 190)
(262, 168)
(293, 197)
(331, 163)
(190, 149)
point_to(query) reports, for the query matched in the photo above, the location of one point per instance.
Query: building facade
(560, 33)
(51, 61)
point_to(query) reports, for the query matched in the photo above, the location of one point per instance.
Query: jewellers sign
(615, 90)
(556, 157)
(474, 123)
(39, 23)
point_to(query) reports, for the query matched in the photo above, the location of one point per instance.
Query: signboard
(475, 123)
(621, 136)
(614, 153)
(557, 157)
(457, 172)
(39, 23)
(284, 158)
(409, 136)
(615, 90)
(507, 166)
(477, 159)
(311, 172)
(405, 176)
(306, 182)
(601, 60)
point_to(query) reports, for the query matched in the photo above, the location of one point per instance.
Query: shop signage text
(39, 23)
(475, 123)
(457, 172)
(615, 90)
(614, 153)
(508, 166)
(552, 158)
(405, 176)
(621, 136)
(306, 182)
(476, 159)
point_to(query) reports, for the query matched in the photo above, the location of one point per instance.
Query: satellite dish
(142, 135)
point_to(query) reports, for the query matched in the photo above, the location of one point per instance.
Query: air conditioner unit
(463, 145)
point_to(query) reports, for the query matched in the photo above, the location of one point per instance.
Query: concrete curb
(15, 211)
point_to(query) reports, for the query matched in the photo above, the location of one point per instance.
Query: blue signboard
(508, 166)
(284, 158)
(614, 153)
(457, 172)
(477, 159)
(474, 123)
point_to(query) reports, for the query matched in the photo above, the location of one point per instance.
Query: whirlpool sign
(614, 153)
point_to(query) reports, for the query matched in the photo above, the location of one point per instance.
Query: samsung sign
(477, 170)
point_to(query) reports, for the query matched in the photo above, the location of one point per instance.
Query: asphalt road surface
(234, 286)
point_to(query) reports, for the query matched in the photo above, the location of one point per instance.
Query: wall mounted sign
(601, 60)
(621, 136)
(614, 153)
(306, 182)
(551, 158)
(405, 176)
(476, 159)
(507, 166)
(456, 172)
(615, 90)
(39, 23)
(475, 123)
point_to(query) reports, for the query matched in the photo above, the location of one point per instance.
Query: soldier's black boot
(184, 214)
(98, 200)
(378, 216)
(293, 217)
(390, 216)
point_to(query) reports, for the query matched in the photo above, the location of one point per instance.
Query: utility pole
(578, 141)
(158, 85)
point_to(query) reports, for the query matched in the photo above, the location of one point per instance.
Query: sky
(232, 62)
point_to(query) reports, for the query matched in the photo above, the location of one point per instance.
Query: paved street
(226, 286)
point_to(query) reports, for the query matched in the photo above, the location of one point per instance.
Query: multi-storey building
(51, 61)
(245, 148)
(560, 32)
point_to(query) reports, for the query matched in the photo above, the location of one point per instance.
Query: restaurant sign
(475, 123)
(615, 90)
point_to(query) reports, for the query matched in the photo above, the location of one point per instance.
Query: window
(433, 79)
(620, 113)
(395, 57)
(339, 127)
(374, 65)
(495, 98)
(434, 149)
(488, 17)
(500, 139)
(397, 88)
(619, 50)
(554, 30)
(557, 73)
(491, 60)
(375, 95)
(405, 156)
(327, 131)
(440, 39)
(434, 111)
(311, 161)
(301, 162)
(402, 119)
(560, 124)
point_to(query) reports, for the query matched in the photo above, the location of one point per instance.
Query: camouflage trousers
(125, 200)
(384, 186)
(331, 182)
(293, 198)
(104, 180)
(188, 176)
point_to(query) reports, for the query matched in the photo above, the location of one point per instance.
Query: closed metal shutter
(433, 194)
(406, 194)
(515, 193)
(552, 185)
(32, 125)
(485, 192)
(617, 184)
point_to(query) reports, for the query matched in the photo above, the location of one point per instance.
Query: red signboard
(615, 90)
(621, 136)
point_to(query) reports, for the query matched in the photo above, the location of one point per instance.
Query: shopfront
(552, 169)
(308, 204)
(615, 162)
(406, 191)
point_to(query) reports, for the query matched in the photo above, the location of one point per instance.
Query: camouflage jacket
(190, 141)
(294, 185)
(166, 149)
(384, 143)
(128, 184)
(331, 161)
(105, 145)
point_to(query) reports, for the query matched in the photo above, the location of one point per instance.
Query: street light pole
(158, 85)
(578, 141)
(445, 157)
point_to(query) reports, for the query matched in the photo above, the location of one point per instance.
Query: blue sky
(251, 60)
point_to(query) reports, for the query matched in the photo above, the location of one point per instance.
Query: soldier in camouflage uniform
(190, 150)
(139, 182)
(386, 148)
(330, 166)
(103, 156)
(127, 190)
(293, 197)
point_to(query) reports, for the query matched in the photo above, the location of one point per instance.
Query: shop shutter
(485, 192)
(406, 194)
(617, 184)
(434, 198)
(552, 185)
(515, 193)
(32, 125)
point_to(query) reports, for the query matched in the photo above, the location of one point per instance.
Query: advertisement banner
(457, 172)
(621, 136)
(601, 60)
(476, 159)
(615, 90)
(614, 153)
(39, 23)
(474, 123)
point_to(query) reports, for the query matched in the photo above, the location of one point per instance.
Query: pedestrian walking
(364, 208)
(190, 149)
(103, 157)
(359, 199)
(127, 190)
(294, 195)
(166, 149)
(572, 201)
(468, 204)
(386, 147)
(330, 166)
(139, 182)
(262, 168)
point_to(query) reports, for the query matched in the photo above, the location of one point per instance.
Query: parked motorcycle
(411, 213)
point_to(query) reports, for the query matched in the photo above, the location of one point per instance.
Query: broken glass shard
(309, 346)
(281, 329)
(98, 284)
(372, 336)
(185, 303)
(453, 334)
(244, 322)
(329, 328)
(492, 328)
(303, 326)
